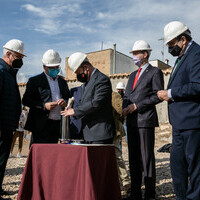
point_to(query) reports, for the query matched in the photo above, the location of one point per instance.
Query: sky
(68, 26)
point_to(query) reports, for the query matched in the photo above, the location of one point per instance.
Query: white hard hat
(120, 85)
(75, 60)
(51, 58)
(16, 46)
(174, 29)
(141, 45)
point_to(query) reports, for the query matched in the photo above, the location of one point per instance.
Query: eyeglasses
(17, 56)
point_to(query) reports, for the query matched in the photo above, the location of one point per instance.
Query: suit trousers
(185, 163)
(19, 134)
(49, 134)
(142, 160)
(5, 145)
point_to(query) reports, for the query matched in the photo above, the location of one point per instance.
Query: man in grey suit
(95, 107)
(139, 103)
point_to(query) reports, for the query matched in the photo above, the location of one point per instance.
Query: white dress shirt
(55, 95)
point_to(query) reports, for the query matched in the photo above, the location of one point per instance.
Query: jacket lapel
(45, 90)
(182, 60)
(90, 83)
(45, 81)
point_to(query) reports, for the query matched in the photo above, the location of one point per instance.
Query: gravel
(164, 188)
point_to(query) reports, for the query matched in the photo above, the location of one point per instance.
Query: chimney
(114, 58)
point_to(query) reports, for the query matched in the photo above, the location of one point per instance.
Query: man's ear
(145, 54)
(8, 53)
(86, 67)
(183, 38)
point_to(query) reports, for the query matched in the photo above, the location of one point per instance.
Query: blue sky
(81, 25)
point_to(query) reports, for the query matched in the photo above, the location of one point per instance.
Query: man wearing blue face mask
(139, 103)
(46, 94)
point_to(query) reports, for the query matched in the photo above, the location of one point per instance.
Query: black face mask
(17, 63)
(175, 50)
(82, 77)
(121, 93)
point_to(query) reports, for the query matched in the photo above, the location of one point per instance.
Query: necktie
(174, 69)
(136, 77)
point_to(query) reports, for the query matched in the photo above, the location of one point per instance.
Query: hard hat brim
(51, 65)
(141, 50)
(175, 36)
(80, 63)
(14, 51)
(120, 88)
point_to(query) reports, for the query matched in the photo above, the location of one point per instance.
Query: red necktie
(136, 77)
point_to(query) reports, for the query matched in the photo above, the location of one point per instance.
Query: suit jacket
(95, 108)
(10, 101)
(144, 96)
(76, 124)
(184, 109)
(36, 95)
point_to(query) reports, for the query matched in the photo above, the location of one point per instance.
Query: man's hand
(125, 112)
(50, 105)
(163, 95)
(61, 103)
(132, 108)
(68, 112)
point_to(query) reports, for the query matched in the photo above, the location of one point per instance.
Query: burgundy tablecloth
(70, 172)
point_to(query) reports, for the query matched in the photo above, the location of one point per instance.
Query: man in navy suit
(10, 101)
(139, 103)
(183, 96)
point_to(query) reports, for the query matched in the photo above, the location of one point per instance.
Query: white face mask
(137, 61)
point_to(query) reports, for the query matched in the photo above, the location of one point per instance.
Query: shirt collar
(189, 44)
(145, 66)
(93, 72)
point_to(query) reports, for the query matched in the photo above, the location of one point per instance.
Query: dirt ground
(164, 189)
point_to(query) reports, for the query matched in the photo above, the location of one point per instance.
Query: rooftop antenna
(102, 45)
(162, 52)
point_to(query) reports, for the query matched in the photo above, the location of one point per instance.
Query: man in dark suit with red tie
(139, 106)
(183, 96)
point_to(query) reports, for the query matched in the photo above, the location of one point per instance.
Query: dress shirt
(143, 69)
(55, 95)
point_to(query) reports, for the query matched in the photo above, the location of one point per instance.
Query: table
(70, 172)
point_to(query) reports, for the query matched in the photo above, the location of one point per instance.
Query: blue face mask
(54, 72)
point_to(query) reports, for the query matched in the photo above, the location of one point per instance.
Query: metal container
(65, 132)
